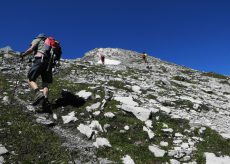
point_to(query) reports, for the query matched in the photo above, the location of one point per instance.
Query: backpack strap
(37, 45)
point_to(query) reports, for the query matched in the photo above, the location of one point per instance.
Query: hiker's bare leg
(45, 89)
(33, 85)
(45, 92)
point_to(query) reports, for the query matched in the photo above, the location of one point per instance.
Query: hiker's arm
(29, 51)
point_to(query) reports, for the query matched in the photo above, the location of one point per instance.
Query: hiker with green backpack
(144, 56)
(46, 51)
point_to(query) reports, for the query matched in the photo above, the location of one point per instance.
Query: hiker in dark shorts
(39, 68)
(144, 57)
(102, 56)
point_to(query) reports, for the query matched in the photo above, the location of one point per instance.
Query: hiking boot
(44, 106)
(47, 106)
(40, 106)
(38, 97)
(39, 109)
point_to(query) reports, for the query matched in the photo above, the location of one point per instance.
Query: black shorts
(103, 59)
(38, 68)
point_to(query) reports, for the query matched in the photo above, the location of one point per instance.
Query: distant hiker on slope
(102, 56)
(43, 53)
(144, 57)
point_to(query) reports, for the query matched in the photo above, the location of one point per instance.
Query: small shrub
(150, 96)
(118, 85)
(203, 107)
(188, 72)
(181, 78)
(226, 93)
(215, 75)
(163, 69)
(178, 85)
(225, 82)
(184, 103)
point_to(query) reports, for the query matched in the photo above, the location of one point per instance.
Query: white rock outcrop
(101, 142)
(157, 151)
(127, 160)
(68, 118)
(84, 94)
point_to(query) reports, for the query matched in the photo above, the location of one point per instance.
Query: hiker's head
(41, 35)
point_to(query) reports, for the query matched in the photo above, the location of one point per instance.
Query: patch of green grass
(161, 84)
(187, 71)
(118, 85)
(225, 82)
(111, 106)
(180, 78)
(132, 142)
(183, 79)
(132, 71)
(163, 69)
(178, 125)
(144, 72)
(67, 70)
(184, 103)
(135, 140)
(150, 96)
(215, 75)
(135, 77)
(204, 107)
(178, 85)
(124, 144)
(58, 84)
(226, 93)
(162, 93)
(32, 143)
(4, 85)
(55, 93)
(213, 143)
(102, 69)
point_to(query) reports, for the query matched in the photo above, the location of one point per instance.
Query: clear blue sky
(193, 33)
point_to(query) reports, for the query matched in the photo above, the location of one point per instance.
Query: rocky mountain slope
(125, 111)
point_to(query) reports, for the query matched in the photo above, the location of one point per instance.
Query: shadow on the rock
(68, 99)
